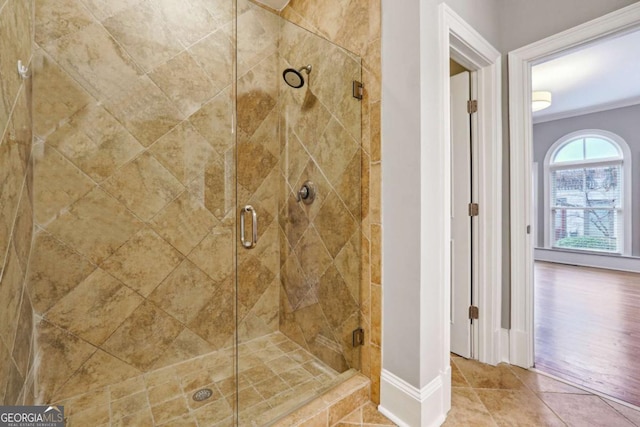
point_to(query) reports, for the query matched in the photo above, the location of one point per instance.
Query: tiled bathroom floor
(275, 375)
(505, 395)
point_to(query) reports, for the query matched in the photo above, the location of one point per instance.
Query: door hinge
(473, 312)
(474, 209)
(358, 89)
(358, 337)
(472, 106)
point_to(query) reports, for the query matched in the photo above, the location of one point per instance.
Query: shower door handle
(249, 244)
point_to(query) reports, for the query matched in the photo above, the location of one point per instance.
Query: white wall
(525, 21)
(415, 238)
(415, 348)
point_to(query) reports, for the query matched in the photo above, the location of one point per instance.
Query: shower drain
(202, 394)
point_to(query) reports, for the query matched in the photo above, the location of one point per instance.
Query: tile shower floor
(275, 376)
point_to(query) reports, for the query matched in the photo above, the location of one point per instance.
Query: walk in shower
(196, 253)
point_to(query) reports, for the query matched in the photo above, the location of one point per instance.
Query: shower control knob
(307, 193)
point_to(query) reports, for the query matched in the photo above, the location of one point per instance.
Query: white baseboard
(408, 406)
(609, 262)
(504, 346)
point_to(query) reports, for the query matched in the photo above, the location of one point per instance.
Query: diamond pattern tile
(184, 223)
(144, 186)
(143, 262)
(95, 226)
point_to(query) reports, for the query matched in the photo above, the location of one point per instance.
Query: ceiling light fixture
(540, 99)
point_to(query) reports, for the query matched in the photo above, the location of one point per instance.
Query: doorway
(534, 285)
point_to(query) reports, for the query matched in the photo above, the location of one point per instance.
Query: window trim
(626, 205)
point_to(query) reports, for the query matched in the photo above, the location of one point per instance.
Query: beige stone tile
(335, 224)
(258, 39)
(334, 297)
(95, 226)
(185, 421)
(95, 416)
(184, 222)
(189, 22)
(88, 401)
(127, 388)
(370, 415)
(486, 376)
(631, 414)
(12, 174)
(102, 9)
(375, 194)
(95, 142)
(144, 186)
(348, 263)
(296, 376)
(10, 296)
(216, 321)
(255, 164)
(169, 410)
(540, 383)
(128, 405)
(160, 376)
(94, 59)
(184, 82)
(213, 413)
(457, 379)
(184, 292)
(215, 53)
(144, 33)
(581, 410)
(144, 110)
(343, 407)
(514, 407)
(220, 243)
(24, 336)
(95, 308)
(257, 94)
(185, 153)
(142, 417)
(253, 280)
(187, 345)
(57, 183)
(271, 387)
(348, 185)
(213, 121)
(56, 96)
(215, 187)
(334, 151)
(55, 19)
(151, 329)
(15, 26)
(143, 262)
(313, 256)
(64, 352)
(100, 370)
(467, 409)
(163, 392)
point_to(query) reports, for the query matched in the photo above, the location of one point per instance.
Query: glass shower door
(299, 214)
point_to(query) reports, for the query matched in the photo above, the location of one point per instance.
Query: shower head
(294, 77)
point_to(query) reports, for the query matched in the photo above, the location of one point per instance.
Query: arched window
(587, 193)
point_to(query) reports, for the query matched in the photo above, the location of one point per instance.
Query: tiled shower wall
(355, 25)
(16, 190)
(134, 179)
(320, 242)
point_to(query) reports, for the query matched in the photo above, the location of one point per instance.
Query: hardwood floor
(587, 327)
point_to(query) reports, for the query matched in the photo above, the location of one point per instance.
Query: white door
(460, 220)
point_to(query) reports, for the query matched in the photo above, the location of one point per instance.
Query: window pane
(596, 148)
(571, 151)
(588, 229)
(587, 187)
